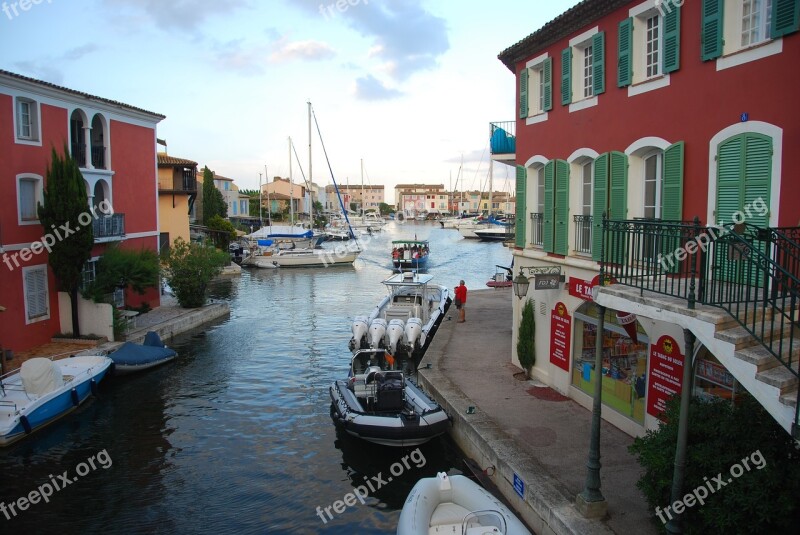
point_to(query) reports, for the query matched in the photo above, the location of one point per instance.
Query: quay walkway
(525, 428)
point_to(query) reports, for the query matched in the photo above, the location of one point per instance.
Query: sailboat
(309, 257)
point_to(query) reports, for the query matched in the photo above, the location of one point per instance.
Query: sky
(407, 86)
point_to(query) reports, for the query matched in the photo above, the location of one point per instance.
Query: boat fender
(74, 395)
(93, 387)
(26, 425)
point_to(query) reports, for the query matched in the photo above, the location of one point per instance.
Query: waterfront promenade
(519, 427)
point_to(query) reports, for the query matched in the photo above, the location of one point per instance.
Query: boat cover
(40, 376)
(130, 354)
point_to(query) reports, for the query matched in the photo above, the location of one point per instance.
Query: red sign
(560, 324)
(581, 288)
(666, 374)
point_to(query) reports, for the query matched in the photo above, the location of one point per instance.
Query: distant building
(418, 198)
(177, 193)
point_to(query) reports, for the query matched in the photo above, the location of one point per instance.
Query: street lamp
(521, 284)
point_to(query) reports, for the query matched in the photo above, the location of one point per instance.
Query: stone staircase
(767, 379)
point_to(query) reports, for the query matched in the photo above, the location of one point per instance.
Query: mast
(291, 187)
(310, 176)
(260, 201)
(460, 171)
(269, 204)
(491, 176)
(363, 211)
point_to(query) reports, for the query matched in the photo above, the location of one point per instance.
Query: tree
(225, 232)
(66, 207)
(384, 208)
(213, 201)
(189, 267)
(722, 436)
(526, 341)
(123, 267)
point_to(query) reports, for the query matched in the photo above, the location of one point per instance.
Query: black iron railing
(98, 156)
(583, 234)
(78, 152)
(504, 139)
(189, 180)
(537, 229)
(750, 272)
(109, 226)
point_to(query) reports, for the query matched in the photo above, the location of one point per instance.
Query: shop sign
(715, 373)
(665, 375)
(580, 288)
(560, 327)
(546, 282)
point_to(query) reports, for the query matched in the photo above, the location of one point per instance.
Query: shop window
(712, 380)
(624, 363)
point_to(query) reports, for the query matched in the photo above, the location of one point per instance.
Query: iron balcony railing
(109, 226)
(189, 180)
(78, 153)
(98, 156)
(537, 229)
(583, 234)
(748, 271)
(504, 139)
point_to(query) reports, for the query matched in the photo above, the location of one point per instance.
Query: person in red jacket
(461, 301)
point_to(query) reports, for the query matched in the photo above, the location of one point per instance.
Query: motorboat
(380, 404)
(405, 320)
(455, 504)
(43, 390)
(286, 237)
(338, 256)
(410, 254)
(502, 278)
(131, 357)
(495, 230)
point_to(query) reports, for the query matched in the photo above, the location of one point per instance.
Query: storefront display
(712, 380)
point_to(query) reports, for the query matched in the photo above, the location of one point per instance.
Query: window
(588, 72)
(649, 46)
(89, 274)
(653, 45)
(536, 89)
(540, 191)
(29, 189)
(652, 186)
(587, 189)
(583, 67)
(27, 119)
(756, 21)
(36, 296)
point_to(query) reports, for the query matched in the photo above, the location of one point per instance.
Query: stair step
(741, 338)
(763, 360)
(745, 316)
(789, 398)
(780, 377)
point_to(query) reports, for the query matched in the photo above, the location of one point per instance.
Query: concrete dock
(525, 428)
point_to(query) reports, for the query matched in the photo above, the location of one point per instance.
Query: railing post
(693, 263)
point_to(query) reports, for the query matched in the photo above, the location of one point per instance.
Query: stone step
(741, 338)
(746, 317)
(763, 360)
(789, 398)
(780, 377)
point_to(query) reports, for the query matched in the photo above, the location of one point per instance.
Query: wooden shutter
(523, 94)
(566, 76)
(522, 188)
(785, 16)
(672, 183)
(599, 62)
(36, 292)
(624, 50)
(547, 72)
(561, 239)
(757, 177)
(672, 39)
(711, 37)
(599, 203)
(617, 204)
(549, 206)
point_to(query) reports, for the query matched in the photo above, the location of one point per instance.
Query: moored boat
(455, 504)
(340, 256)
(502, 278)
(410, 254)
(379, 404)
(130, 357)
(41, 391)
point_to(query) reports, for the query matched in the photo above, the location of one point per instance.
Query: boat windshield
(484, 519)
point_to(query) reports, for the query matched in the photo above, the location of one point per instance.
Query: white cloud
(285, 50)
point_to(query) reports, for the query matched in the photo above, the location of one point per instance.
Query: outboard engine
(394, 333)
(412, 333)
(360, 328)
(377, 330)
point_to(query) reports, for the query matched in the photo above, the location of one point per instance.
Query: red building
(656, 113)
(115, 146)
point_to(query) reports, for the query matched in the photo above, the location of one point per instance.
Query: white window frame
(42, 268)
(584, 204)
(641, 82)
(733, 53)
(579, 44)
(39, 194)
(758, 33)
(35, 122)
(588, 71)
(658, 208)
(536, 112)
(654, 45)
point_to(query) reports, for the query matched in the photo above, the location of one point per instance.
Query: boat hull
(317, 258)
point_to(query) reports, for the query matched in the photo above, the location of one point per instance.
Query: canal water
(235, 436)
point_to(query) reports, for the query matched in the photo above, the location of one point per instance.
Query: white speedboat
(379, 404)
(455, 504)
(339, 256)
(495, 233)
(404, 321)
(42, 390)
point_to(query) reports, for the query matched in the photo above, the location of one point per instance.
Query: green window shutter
(711, 37)
(672, 39)
(757, 177)
(566, 76)
(599, 203)
(618, 197)
(523, 93)
(522, 180)
(672, 183)
(549, 206)
(599, 62)
(785, 16)
(547, 72)
(561, 239)
(729, 174)
(625, 61)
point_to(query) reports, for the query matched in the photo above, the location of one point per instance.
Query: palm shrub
(189, 267)
(526, 341)
(721, 435)
(124, 267)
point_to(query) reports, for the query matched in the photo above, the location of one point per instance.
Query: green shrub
(124, 267)
(720, 436)
(526, 341)
(189, 267)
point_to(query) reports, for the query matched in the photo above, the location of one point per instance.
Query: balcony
(98, 156)
(504, 141)
(537, 230)
(108, 227)
(78, 153)
(583, 234)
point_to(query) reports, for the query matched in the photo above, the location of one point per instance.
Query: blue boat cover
(152, 339)
(134, 354)
(264, 243)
